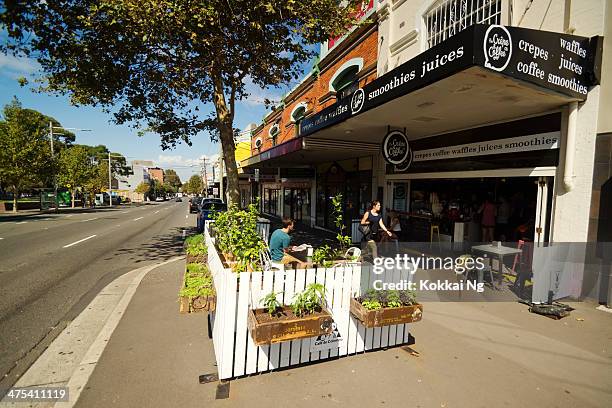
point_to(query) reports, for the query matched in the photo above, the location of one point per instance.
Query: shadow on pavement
(158, 248)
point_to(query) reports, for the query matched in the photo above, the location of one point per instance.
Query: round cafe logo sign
(357, 101)
(497, 47)
(395, 148)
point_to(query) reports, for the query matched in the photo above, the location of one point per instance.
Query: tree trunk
(229, 159)
(15, 196)
(73, 196)
(225, 126)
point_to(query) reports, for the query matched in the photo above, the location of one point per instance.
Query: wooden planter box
(275, 330)
(203, 259)
(386, 316)
(198, 304)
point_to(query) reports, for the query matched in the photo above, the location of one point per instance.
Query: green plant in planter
(194, 240)
(198, 282)
(236, 233)
(311, 300)
(271, 303)
(196, 247)
(323, 256)
(393, 299)
(371, 304)
(337, 212)
(408, 297)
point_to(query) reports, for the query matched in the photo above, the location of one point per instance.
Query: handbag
(366, 231)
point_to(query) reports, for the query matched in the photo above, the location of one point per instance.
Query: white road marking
(70, 215)
(156, 212)
(3, 238)
(139, 218)
(187, 216)
(22, 222)
(123, 212)
(184, 233)
(90, 219)
(79, 241)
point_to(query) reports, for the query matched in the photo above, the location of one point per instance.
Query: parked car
(178, 199)
(206, 211)
(194, 204)
(209, 200)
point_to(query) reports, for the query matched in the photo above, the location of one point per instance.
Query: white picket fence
(237, 293)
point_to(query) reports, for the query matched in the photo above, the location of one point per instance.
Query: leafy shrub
(377, 299)
(198, 281)
(236, 233)
(311, 300)
(196, 245)
(271, 303)
(323, 256)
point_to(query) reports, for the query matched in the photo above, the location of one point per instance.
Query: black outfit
(374, 221)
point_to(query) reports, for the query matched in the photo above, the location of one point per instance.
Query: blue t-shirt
(278, 242)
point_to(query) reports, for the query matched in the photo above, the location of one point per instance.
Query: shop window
(447, 18)
(273, 133)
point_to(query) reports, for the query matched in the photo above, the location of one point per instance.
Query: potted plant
(237, 237)
(198, 292)
(327, 257)
(379, 308)
(195, 247)
(305, 317)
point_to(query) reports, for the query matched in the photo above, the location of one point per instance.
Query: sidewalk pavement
(494, 354)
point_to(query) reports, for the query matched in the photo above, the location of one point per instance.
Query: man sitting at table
(280, 240)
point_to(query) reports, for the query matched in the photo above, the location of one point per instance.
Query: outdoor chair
(267, 263)
(352, 252)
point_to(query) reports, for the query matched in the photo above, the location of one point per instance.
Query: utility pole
(221, 193)
(205, 177)
(110, 181)
(56, 206)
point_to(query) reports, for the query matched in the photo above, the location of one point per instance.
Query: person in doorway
(503, 217)
(373, 219)
(280, 241)
(488, 212)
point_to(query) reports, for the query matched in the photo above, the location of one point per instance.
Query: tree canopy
(25, 151)
(172, 179)
(157, 63)
(195, 185)
(75, 169)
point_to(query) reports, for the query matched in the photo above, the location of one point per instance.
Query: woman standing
(373, 219)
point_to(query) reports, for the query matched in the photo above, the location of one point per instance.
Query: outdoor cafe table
(498, 250)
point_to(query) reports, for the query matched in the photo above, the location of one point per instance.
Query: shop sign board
(542, 141)
(559, 62)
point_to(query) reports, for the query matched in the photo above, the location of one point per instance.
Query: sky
(123, 139)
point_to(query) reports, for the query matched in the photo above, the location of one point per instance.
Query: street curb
(80, 376)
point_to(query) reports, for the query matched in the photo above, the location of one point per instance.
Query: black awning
(564, 64)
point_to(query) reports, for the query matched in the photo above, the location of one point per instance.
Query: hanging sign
(395, 148)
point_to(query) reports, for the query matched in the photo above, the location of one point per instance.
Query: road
(52, 266)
